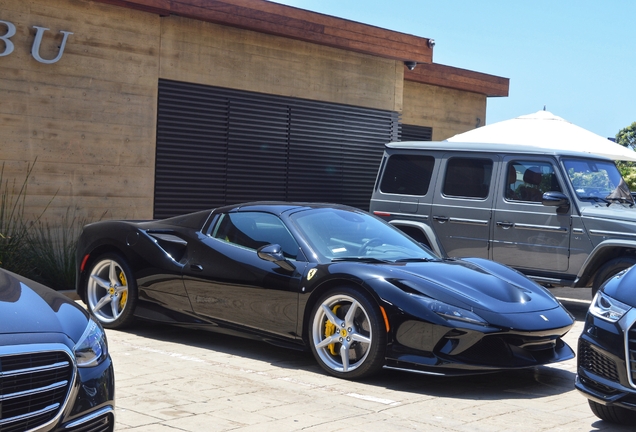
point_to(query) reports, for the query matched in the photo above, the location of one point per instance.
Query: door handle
(441, 219)
(505, 225)
(196, 267)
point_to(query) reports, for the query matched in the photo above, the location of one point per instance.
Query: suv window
(407, 174)
(528, 180)
(467, 177)
(253, 230)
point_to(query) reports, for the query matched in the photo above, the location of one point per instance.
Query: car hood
(614, 211)
(622, 287)
(29, 307)
(474, 284)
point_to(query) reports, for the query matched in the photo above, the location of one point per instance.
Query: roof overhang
(458, 79)
(294, 23)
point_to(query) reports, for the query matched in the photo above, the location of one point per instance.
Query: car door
(228, 283)
(528, 235)
(462, 205)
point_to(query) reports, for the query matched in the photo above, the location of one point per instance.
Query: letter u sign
(35, 49)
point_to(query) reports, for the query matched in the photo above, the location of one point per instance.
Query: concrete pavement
(170, 379)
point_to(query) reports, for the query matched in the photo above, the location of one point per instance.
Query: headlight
(607, 308)
(92, 348)
(451, 312)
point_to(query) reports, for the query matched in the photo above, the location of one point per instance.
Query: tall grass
(52, 248)
(13, 226)
(32, 246)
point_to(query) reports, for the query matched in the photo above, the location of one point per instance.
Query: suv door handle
(441, 219)
(505, 225)
(196, 267)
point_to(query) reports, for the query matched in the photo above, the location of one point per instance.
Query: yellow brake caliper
(124, 294)
(330, 329)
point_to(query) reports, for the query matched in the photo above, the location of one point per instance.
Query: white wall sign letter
(8, 45)
(35, 50)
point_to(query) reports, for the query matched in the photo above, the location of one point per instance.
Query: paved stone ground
(170, 379)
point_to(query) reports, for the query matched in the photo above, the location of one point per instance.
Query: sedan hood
(474, 284)
(29, 307)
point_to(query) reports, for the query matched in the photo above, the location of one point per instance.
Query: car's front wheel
(347, 336)
(613, 414)
(111, 291)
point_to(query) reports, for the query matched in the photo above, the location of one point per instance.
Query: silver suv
(562, 218)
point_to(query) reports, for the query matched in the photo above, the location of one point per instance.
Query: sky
(575, 57)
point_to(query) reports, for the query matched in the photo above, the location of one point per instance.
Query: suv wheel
(609, 269)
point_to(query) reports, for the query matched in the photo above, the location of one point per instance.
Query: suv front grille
(33, 388)
(631, 349)
(597, 363)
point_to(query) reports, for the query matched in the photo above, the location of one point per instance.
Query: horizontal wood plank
(458, 79)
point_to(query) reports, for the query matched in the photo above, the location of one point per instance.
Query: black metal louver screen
(416, 133)
(218, 146)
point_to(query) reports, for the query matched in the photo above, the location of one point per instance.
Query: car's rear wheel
(111, 291)
(613, 414)
(609, 269)
(347, 336)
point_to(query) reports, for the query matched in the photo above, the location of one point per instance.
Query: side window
(528, 180)
(467, 177)
(253, 230)
(407, 174)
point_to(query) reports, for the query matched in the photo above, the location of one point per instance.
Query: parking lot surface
(174, 379)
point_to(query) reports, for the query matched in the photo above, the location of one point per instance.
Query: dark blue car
(55, 371)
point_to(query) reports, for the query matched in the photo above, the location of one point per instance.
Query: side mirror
(273, 253)
(555, 199)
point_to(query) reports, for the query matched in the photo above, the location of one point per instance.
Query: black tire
(609, 269)
(358, 339)
(111, 291)
(613, 414)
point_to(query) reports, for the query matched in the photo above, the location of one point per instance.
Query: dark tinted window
(253, 230)
(468, 177)
(407, 174)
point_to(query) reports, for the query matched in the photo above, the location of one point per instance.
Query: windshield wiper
(416, 260)
(621, 200)
(361, 259)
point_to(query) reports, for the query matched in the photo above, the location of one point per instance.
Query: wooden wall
(205, 53)
(446, 110)
(90, 119)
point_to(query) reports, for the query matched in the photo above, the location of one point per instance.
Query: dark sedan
(358, 293)
(607, 351)
(55, 371)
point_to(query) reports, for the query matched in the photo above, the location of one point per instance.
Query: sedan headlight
(92, 347)
(450, 312)
(608, 309)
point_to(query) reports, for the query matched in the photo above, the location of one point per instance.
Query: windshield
(597, 180)
(336, 234)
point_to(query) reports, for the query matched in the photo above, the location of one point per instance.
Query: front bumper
(603, 375)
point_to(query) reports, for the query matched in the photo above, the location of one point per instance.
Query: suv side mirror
(555, 199)
(273, 253)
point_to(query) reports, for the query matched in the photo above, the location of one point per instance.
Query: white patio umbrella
(544, 129)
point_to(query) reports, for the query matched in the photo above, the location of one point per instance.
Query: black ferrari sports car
(357, 292)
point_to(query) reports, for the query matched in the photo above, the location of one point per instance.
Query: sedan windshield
(597, 181)
(339, 235)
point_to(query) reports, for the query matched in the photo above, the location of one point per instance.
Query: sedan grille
(597, 363)
(33, 388)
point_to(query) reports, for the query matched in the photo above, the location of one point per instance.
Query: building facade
(151, 108)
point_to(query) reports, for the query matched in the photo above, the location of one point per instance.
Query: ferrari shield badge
(311, 273)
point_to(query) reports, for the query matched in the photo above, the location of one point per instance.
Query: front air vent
(597, 363)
